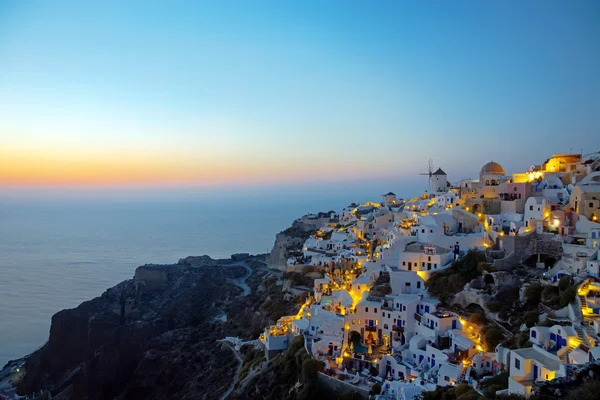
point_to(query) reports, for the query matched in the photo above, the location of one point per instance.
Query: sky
(174, 94)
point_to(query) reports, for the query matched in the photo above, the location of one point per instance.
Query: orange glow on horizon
(150, 169)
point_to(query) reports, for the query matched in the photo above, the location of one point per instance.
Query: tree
(533, 293)
(531, 318)
(568, 296)
(477, 318)
(376, 389)
(564, 282)
(493, 336)
(523, 340)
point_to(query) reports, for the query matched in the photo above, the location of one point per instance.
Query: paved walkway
(237, 372)
(241, 282)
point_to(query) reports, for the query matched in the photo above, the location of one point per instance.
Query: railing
(371, 328)
(417, 317)
(397, 328)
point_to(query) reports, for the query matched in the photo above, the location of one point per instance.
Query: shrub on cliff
(494, 306)
(533, 293)
(492, 336)
(444, 284)
(376, 389)
(568, 296)
(564, 283)
(523, 340)
(350, 395)
(462, 392)
(589, 390)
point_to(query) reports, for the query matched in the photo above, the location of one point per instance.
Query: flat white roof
(532, 353)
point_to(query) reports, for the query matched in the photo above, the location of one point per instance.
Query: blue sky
(271, 92)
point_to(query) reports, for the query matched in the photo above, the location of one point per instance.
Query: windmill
(430, 171)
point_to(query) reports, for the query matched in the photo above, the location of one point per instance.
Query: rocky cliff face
(289, 242)
(150, 337)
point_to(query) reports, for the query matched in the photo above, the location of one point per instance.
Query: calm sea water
(56, 255)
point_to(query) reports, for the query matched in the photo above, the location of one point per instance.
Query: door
(388, 370)
(426, 308)
(535, 372)
(432, 362)
(420, 359)
(453, 324)
(559, 342)
(371, 322)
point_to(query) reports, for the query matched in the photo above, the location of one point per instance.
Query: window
(407, 284)
(446, 379)
(403, 262)
(353, 322)
(389, 315)
(530, 208)
(366, 309)
(418, 285)
(517, 363)
(375, 311)
(404, 309)
(428, 266)
(591, 204)
(428, 258)
(435, 265)
(533, 334)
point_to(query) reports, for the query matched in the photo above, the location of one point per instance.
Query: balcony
(417, 317)
(397, 328)
(370, 328)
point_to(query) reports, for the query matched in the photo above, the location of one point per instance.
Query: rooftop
(533, 353)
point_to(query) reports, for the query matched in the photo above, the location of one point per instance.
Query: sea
(57, 253)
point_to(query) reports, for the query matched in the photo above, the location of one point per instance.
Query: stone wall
(339, 387)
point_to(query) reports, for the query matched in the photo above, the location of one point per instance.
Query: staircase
(464, 375)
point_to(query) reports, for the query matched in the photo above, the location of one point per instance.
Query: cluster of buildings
(370, 318)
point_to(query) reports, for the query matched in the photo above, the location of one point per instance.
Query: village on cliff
(409, 296)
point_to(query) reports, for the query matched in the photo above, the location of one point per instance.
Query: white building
(532, 364)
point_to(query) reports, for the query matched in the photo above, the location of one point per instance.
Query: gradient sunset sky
(173, 93)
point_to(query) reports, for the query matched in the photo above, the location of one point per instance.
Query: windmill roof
(439, 172)
(390, 194)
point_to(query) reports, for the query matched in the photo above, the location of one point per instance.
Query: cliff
(289, 242)
(150, 337)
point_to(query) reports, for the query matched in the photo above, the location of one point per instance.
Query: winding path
(237, 372)
(241, 282)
